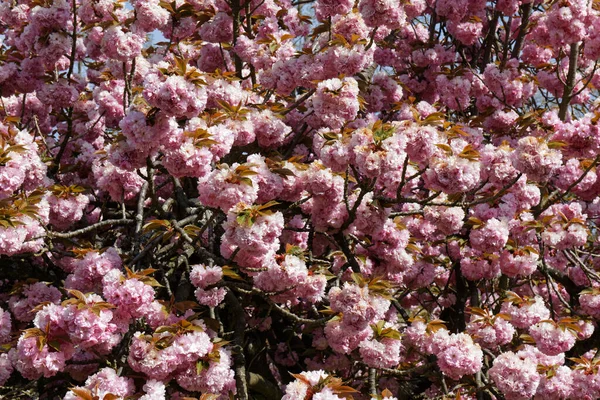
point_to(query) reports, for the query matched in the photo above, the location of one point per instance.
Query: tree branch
(570, 83)
(239, 359)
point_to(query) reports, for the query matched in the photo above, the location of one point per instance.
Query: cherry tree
(299, 199)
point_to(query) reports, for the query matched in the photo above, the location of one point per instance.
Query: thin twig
(299, 102)
(91, 228)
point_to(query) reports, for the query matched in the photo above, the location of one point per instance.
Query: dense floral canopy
(299, 199)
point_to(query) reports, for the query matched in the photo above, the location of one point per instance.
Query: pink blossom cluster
(65, 211)
(358, 309)
(335, 102)
(22, 169)
(516, 377)
(253, 242)
(570, 231)
(105, 382)
(87, 272)
(83, 322)
(491, 333)
(227, 186)
(203, 277)
(386, 199)
(28, 297)
(303, 386)
(159, 363)
(457, 354)
(131, 296)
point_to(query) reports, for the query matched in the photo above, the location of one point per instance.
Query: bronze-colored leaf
(83, 393)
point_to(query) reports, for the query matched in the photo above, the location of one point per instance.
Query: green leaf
(201, 365)
(230, 273)
(382, 131)
(390, 334)
(245, 219)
